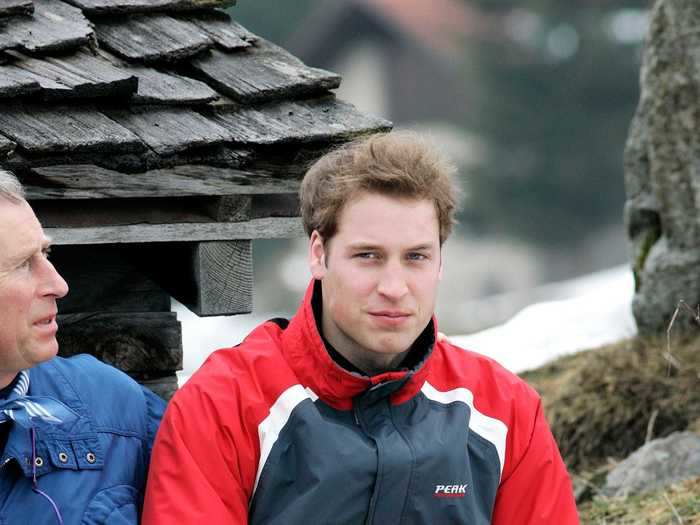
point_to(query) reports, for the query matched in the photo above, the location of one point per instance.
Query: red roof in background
(443, 25)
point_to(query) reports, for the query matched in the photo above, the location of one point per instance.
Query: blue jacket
(94, 470)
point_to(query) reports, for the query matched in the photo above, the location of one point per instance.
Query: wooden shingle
(78, 75)
(42, 130)
(116, 7)
(15, 83)
(171, 130)
(315, 120)
(262, 73)
(226, 33)
(6, 146)
(152, 38)
(55, 26)
(157, 87)
(16, 7)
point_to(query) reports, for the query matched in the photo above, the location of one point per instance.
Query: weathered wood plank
(16, 7)
(118, 7)
(133, 342)
(46, 129)
(226, 33)
(122, 212)
(223, 156)
(93, 182)
(158, 87)
(169, 130)
(231, 208)
(15, 83)
(224, 278)
(280, 205)
(262, 73)
(269, 228)
(152, 38)
(54, 27)
(209, 278)
(6, 147)
(80, 75)
(111, 282)
(317, 120)
(165, 387)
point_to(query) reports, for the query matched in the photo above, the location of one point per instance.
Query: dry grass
(603, 403)
(678, 504)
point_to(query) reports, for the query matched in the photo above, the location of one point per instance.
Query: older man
(352, 412)
(75, 434)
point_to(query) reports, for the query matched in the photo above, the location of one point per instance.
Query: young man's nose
(392, 282)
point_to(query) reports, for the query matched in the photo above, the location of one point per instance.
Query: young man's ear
(317, 256)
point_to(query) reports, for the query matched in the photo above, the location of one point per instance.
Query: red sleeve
(538, 489)
(194, 476)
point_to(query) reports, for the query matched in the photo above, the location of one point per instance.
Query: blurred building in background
(532, 99)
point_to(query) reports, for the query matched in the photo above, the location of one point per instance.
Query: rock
(659, 463)
(662, 170)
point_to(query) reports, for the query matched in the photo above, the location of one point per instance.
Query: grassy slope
(603, 403)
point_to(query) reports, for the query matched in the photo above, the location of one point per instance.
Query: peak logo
(450, 491)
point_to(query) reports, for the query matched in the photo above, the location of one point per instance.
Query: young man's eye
(367, 255)
(417, 256)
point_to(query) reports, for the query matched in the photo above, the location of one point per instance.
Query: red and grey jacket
(274, 431)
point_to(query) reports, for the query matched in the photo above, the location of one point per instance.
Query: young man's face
(379, 277)
(29, 287)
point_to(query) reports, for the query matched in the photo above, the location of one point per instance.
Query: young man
(75, 434)
(352, 413)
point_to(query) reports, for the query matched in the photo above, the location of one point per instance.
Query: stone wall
(662, 170)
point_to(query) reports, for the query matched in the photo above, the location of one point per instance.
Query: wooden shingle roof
(129, 104)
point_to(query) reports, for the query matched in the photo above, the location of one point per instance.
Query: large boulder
(659, 463)
(662, 170)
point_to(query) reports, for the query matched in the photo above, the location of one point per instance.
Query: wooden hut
(156, 139)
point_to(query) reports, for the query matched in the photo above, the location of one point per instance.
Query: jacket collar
(72, 446)
(304, 350)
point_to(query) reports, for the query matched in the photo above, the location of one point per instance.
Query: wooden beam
(84, 181)
(105, 278)
(231, 208)
(165, 386)
(269, 228)
(282, 205)
(209, 278)
(146, 342)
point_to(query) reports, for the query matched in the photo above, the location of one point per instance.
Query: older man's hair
(10, 188)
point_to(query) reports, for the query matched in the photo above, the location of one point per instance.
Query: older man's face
(29, 287)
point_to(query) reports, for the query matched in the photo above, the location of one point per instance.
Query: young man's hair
(10, 188)
(398, 164)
